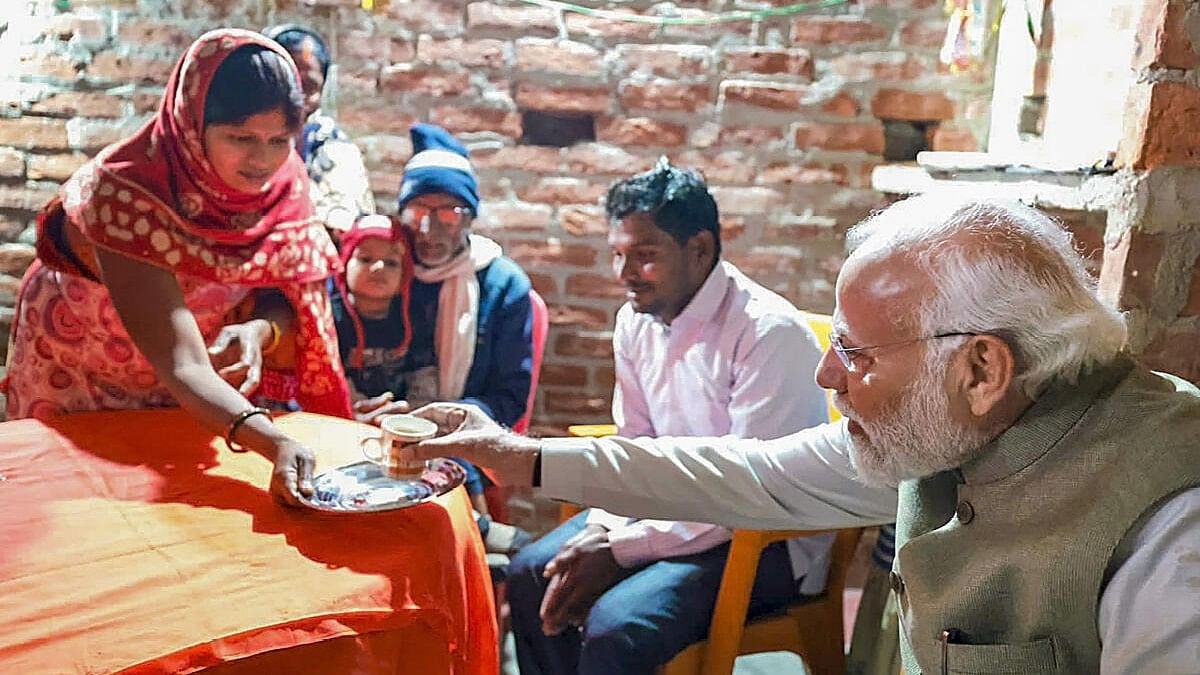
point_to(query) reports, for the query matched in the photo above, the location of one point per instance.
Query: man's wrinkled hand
(583, 570)
(468, 433)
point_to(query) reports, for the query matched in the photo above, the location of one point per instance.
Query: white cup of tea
(395, 432)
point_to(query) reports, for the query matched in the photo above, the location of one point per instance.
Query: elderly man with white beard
(1046, 489)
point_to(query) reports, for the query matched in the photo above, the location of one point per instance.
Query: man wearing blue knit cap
(469, 308)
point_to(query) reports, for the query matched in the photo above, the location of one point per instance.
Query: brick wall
(784, 115)
(1152, 245)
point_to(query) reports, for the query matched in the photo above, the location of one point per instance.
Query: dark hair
(253, 80)
(292, 36)
(676, 199)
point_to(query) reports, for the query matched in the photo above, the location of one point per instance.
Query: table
(134, 542)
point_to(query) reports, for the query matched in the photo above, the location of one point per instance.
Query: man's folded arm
(800, 481)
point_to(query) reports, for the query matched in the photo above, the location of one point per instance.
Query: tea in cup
(395, 432)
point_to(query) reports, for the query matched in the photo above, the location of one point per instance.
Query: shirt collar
(1044, 424)
(707, 300)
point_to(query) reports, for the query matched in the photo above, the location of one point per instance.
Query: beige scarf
(457, 312)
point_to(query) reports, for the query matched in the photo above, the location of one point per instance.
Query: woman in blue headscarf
(340, 189)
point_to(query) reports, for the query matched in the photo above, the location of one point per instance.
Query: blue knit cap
(440, 163)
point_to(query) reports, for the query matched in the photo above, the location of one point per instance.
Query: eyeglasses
(847, 354)
(417, 217)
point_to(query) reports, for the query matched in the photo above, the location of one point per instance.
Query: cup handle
(362, 444)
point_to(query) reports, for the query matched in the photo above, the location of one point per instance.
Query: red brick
(895, 104)
(16, 258)
(770, 95)
(89, 30)
(960, 140)
(54, 167)
(590, 26)
(1192, 306)
(81, 104)
(594, 346)
(841, 104)
(666, 60)
(377, 116)
(439, 16)
(544, 284)
(485, 53)
(149, 32)
(591, 285)
(835, 30)
(864, 136)
(794, 174)
(400, 50)
(408, 79)
(577, 404)
(727, 167)
(664, 95)
(12, 163)
(732, 227)
(1087, 229)
(515, 216)
(605, 378)
(601, 158)
(769, 61)
(923, 33)
(538, 55)
(562, 99)
(746, 201)
(583, 221)
(1128, 278)
(1162, 38)
(557, 374)
(146, 101)
(88, 134)
(485, 16)
(113, 67)
(533, 254)
(876, 66)
(757, 136)
(708, 33)
(50, 65)
(582, 317)
(1175, 352)
(532, 158)
(34, 132)
(24, 198)
(562, 190)
(463, 120)
(640, 131)
(1159, 126)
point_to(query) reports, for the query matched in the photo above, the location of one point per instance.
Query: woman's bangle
(276, 334)
(238, 421)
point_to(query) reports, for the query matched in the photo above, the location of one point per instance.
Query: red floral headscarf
(156, 198)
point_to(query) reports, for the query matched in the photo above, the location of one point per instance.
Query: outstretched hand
(465, 431)
(237, 354)
(373, 410)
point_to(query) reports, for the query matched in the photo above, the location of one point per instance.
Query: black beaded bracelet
(239, 421)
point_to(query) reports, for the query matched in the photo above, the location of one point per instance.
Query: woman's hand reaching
(237, 353)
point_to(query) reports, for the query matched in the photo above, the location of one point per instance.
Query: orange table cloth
(134, 542)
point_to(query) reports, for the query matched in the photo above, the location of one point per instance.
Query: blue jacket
(501, 371)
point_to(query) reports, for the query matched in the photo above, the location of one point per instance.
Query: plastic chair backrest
(540, 317)
(822, 326)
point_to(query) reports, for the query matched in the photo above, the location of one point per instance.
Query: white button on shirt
(740, 360)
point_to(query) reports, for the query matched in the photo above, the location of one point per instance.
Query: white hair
(1004, 269)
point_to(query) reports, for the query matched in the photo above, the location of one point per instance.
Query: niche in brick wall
(903, 139)
(556, 130)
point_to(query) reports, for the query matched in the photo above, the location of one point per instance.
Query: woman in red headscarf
(150, 246)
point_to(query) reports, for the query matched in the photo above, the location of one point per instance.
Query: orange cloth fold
(134, 542)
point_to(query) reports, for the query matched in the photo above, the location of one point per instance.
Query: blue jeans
(650, 615)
